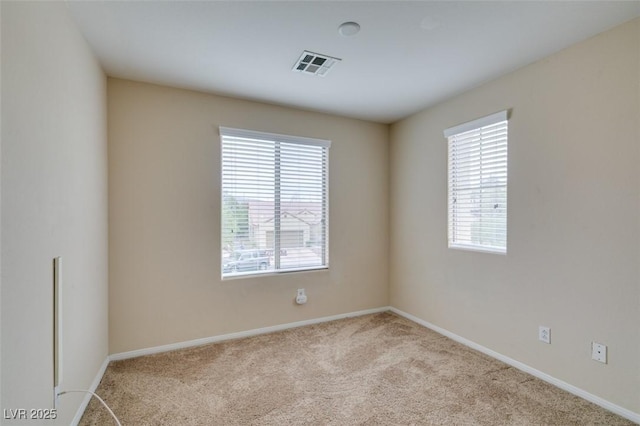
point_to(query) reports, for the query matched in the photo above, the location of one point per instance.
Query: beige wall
(54, 203)
(164, 218)
(573, 230)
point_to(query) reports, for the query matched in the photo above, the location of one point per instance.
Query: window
(478, 184)
(274, 203)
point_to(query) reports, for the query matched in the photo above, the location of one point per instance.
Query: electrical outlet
(56, 396)
(544, 334)
(599, 352)
(301, 297)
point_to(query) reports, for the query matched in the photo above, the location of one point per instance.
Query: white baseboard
(92, 388)
(240, 334)
(621, 411)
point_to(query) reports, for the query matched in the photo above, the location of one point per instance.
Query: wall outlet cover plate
(599, 352)
(544, 334)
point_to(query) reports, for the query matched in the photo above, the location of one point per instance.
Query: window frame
(477, 126)
(278, 140)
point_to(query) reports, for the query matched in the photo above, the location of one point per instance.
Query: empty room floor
(374, 369)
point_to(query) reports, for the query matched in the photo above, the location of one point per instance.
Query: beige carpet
(373, 370)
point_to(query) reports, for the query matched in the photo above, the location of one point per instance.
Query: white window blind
(274, 202)
(478, 184)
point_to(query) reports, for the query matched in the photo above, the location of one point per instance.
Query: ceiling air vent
(314, 63)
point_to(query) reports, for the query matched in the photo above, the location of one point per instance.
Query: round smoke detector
(349, 29)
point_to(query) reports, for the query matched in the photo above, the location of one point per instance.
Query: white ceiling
(407, 56)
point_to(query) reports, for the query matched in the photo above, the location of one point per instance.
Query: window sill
(256, 274)
(479, 249)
